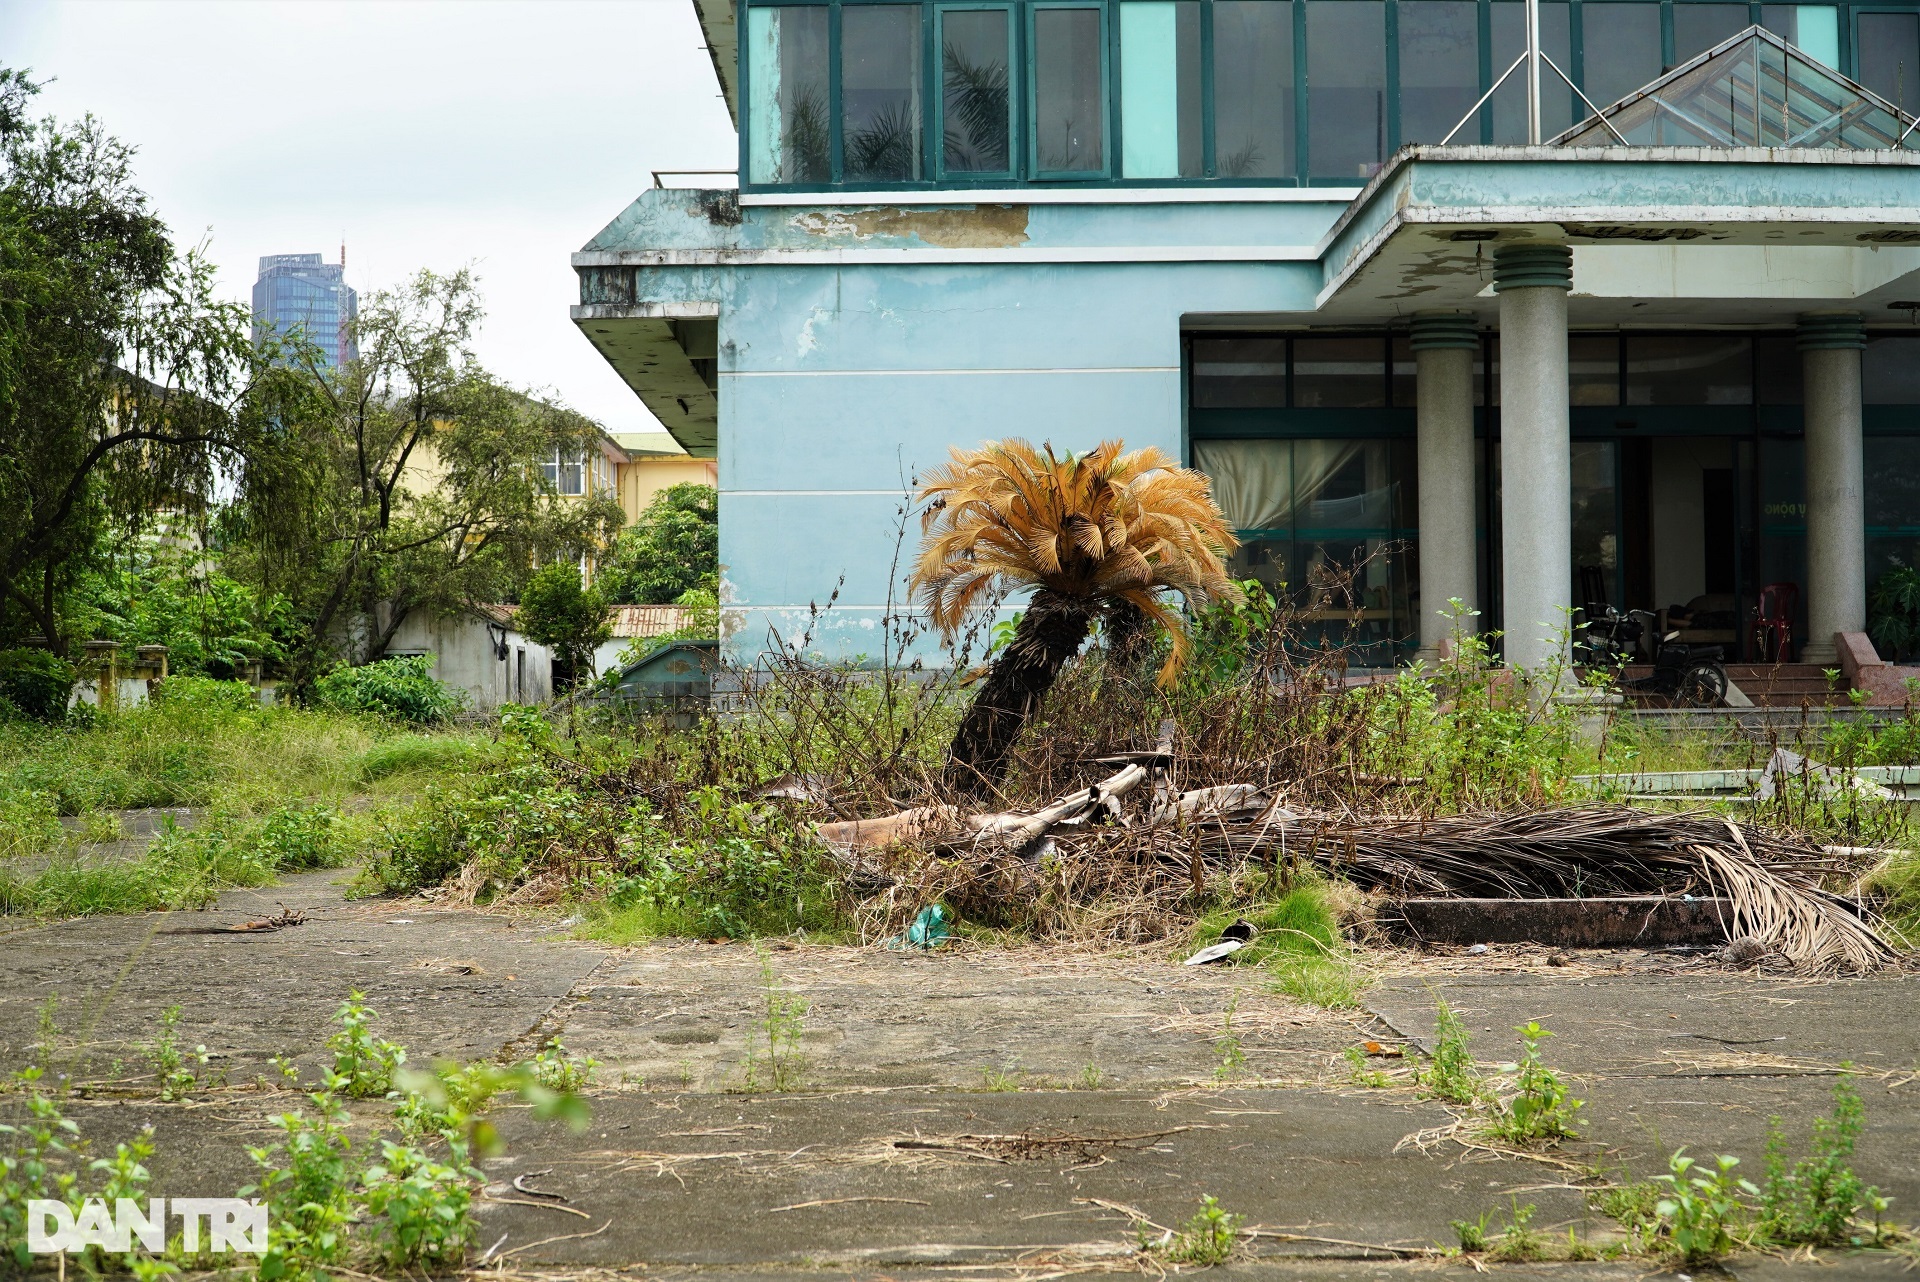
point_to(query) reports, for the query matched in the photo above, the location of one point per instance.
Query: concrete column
(1536, 487)
(1443, 347)
(1830, 346)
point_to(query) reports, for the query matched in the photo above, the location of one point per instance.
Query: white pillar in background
(1830, 347)
(1536, 490)
(1443, 345)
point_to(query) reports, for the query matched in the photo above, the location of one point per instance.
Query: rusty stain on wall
(973, 227)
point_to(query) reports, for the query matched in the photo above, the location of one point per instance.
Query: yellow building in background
(653, 461)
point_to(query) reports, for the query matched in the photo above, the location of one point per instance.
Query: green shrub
(36, 684)
(29, 823)
(1451, 1074)
(298, 837)
(1814, 1201)
(206, 694)
(401, 690)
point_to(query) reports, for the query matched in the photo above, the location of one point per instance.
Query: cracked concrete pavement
(893, 1158)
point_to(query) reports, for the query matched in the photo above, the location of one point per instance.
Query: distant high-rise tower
(299, 291)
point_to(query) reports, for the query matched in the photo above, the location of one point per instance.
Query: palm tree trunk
(1050, 632)
(1129, 638)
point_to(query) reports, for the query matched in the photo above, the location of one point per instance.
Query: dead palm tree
(1099, 533)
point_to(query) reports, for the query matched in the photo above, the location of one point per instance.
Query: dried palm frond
(1100, 527)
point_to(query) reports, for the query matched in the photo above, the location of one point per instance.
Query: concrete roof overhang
(718, 25)
(648, 344)
(1666, 235)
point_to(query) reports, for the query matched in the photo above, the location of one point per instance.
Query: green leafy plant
(779, 1028)
(363, 1065)
(673, 547)
(35, 684)
(34, 1162)
(1207, 1239)
(1893, 612)
(1541, 1107)
(1815, 1200)
(1227, 1046)
(402, 690)
(1701, 1214)
(556, 1070)
(176, 1070)
(307, 1182)
(557, 611)
(1361, 1072)
(1474, 1234)
(1520, 1242)
(1450, 1074)
(419, 1208)
(298, 837)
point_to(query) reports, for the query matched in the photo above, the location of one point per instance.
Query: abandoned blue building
(1624, 311)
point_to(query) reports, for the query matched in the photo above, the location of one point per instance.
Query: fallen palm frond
(1613, 850)
(1179, 845)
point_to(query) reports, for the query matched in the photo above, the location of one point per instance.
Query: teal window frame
(1109, 26)
(937, 98)
(1022, 151)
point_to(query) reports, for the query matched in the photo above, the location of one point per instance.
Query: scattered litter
(1823, 781)
(1476, 950)
(1216, 952)
(401, 921)
(929, 930)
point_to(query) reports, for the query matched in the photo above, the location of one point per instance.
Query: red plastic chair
(1773, 622)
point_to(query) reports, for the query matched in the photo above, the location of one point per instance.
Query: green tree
(673, 548)
(571, 620)
(125, 386)
(411, 481)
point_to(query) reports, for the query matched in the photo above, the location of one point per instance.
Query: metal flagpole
(1533, 72)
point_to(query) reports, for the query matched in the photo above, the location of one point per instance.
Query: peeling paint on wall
(974, 227)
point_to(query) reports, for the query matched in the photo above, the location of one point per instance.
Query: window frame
(934, 26)
(1108, 81)
(1022, 106)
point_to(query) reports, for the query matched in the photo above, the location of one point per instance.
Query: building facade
(298, 293)
(1643, 334)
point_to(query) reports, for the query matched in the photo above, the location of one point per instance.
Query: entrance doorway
(1659, 524)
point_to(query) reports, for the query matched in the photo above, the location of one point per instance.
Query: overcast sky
(430, 133)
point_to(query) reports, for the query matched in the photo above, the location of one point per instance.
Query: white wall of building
(466, 655)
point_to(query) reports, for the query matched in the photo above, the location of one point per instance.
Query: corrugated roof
(631, 621)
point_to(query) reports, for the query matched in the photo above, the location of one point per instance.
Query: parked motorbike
(1690, 676)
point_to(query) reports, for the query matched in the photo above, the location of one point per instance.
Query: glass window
(1776, 363)
(567, 473)
(1253, 88)
(1346, 88)
(1439, 69)
(880, 92)
(1069, 102)
(1595, 532)
(1689, 371)
(1699, 27)
(1890, 372)
(1814, 29)
(1893, 507)
(977, 124)
(1339, 372)
(1509, 106)
(1405, 372)
(1160, 89)
(1620, 49)
(788, 139)
(1889, 43)
(1239, 373)
(1593, 369)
